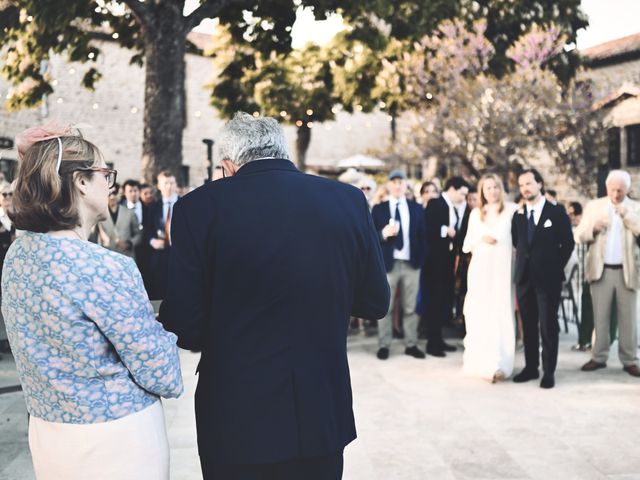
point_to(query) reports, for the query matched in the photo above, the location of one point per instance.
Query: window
(633, 145)
(183, 181)
(613, 135)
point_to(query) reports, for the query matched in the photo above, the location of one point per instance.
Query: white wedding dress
(489, 345)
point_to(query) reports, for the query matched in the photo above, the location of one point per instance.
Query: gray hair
(621, 175)
(245, 138)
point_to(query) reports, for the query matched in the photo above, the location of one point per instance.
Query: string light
(134, 109)
(299, 123)
(359, 108)
(198, 114)
(309, 124)
(256, 114)
(382, 105)
(54, 83)
(91, 55)
(389, 118)
(115, 36)
(283, 113)
(429, 96)
(72, 71)
(95, 106)
(59, 100)
(309, 112)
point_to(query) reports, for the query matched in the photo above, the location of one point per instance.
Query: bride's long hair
(483, 199)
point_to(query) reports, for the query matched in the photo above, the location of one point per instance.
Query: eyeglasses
(7, 194)
(365, 189)
(109, 174)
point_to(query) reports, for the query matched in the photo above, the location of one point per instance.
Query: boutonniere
(521, 211)
(547, 224)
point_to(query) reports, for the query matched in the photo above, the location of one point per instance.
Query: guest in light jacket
(121, 231)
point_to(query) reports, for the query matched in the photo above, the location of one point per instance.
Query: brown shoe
(592, 365)
(632, 370)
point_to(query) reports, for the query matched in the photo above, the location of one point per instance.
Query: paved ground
(421, 419)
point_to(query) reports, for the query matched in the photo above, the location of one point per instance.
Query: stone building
(112, 116)
(612, 70)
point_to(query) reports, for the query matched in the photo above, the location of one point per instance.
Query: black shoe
(448, 348)
(414, 351)
(526, 375)
(436, 352)
(547, 381)
(383, 353)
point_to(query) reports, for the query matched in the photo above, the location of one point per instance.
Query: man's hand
(451, 232)
(620, 209)
(123, 245)
(157, 244)
(600, 225)
(390, 231)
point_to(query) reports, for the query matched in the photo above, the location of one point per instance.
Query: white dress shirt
(453, 220)
(537, 209)
(613, 247)
(137, 208)
(167, 204)
(405, 253)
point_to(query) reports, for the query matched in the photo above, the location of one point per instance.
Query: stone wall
(112, 115)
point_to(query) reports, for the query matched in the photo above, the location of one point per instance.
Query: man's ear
(230, 168)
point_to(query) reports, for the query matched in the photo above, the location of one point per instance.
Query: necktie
(400, 236)
(167, 226)
(457, 214)
(531, 227)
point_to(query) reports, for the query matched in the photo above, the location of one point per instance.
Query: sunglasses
(365, 189)
(109, 174)
(7, 194)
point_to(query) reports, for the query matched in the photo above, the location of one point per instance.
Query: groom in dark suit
(443, 222)
(541, 233)
(266, 267)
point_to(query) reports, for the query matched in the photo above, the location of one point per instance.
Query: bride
(488, 308)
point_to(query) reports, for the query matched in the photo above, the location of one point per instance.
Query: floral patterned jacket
(87, 346)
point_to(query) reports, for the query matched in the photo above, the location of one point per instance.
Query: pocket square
(547, 224)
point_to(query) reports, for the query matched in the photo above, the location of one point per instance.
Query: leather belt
(613, 267)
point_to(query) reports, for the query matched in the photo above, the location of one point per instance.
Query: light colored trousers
(604, 292)
(408, 278)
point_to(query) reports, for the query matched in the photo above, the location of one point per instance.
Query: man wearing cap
(400, 225)
(443, 222)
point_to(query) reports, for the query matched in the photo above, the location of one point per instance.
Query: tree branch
(209, 9)
(140, 10)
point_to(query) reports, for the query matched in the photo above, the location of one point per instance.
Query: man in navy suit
(267, 265)
(400, 227)
(541, 233)
(443, 223)
(157, 236)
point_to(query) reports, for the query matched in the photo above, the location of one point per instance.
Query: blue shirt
(87, 346)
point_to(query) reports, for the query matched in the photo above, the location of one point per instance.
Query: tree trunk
(394, 127)
(303, 139)
(164, 95)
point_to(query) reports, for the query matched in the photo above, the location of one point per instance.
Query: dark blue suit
(265, 270)
(158, 260)
(381, 216)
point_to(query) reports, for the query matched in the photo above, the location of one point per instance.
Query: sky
(608, 20)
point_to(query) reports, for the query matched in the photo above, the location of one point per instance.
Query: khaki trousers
(604, 292)
(408, 277)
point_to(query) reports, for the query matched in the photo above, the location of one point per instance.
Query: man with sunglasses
(266, 267)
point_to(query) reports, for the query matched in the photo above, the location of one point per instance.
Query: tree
(469, 118)
(156, 32)
(296, 87)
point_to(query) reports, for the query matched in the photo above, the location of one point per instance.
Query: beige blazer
(598, 209)
(126, 228)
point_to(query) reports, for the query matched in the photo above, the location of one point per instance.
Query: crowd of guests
(495, 265)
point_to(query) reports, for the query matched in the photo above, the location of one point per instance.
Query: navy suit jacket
(265, 270)
(542, 263)
(381, 215)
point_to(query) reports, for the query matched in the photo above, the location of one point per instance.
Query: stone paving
(421, 419)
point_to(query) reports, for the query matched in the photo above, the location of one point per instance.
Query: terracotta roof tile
(620, 46)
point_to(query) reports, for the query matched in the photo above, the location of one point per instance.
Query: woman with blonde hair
(92, 359)
(488, 308)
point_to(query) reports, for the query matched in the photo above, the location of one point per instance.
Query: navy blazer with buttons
(381, 216)
(265, 269)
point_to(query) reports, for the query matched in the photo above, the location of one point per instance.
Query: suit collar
(265, 165)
